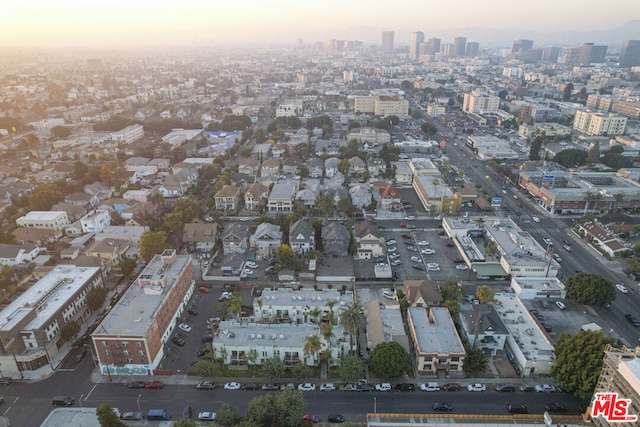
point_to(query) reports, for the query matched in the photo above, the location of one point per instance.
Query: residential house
(266, 240)
(13, 255)
(369, 241)
(331, 167)
(329, 147)
(95, 221)
(270, 166)
(602, 238)
(302, 237)
(335, 239)
(74, 212)
(357, 166)
(235, 238)
(291, 165)
(81, 199)
(422, 293)
(99, 190)
(436, 343)
(249, 166)
(200, 238)
(256, 197)
(376, 166)
(308, 197)
(37, 236)
(360, 196)
(161, 164)
(278, 150)
(483, 328)
(315, 166)
(113, 251)
(281, 198)
(227, 198)
(390, 199)
(262, 152)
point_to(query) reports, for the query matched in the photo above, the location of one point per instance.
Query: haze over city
(118, 23)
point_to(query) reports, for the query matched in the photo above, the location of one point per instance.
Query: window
(126, 352)
(106, 352)
(125, 343)
(139, 344)
(141, 353)
(105, 344)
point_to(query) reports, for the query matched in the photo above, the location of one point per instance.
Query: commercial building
(472, 50)
(129, 134)
(132, 338)
(459, 47)
(387, 41)
(521, 45)
(30, 326)
(586, 54)
(48, 220)
(417, 38)
(630, 53)
(95, 221)
(387, 105)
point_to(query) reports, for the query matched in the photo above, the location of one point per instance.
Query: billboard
(548, 177)
(496, 201)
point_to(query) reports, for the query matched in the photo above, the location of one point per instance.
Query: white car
(461, 267)
(251, 264)
(547, 241)
(184, 327)
(428, 252)
(394, 256)
(247, 272)
(392, 249)
(536, 219)
(477, 387)
(206, 416)
(327, 387)
(410, 218)
(306, 387)
(430, 387)
(232, 386)
(561, 305)
(545, 388)
(423, 243)
(622, 288)
(433, 268)
(391, 242)
(389, 294)
(416, 259)
(383, 387)
(433, 265)
(396, 262)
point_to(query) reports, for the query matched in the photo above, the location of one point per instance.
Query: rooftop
(232, 333)
(439, 336)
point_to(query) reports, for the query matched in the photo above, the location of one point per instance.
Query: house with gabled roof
(331, 166)
(369, 240)
(249, 166)
(315, 166)
(483, 327)
(266, 240)
(308, 197)
(227, 198)
(360, 196)
(291, 165)
(357, 166)
(302, 237)
(376, 166)
(602, 238)
(200, 237)
(235, 238)
(422, 293)
(255, 197)
(270, 166)
(390, 199)
(335, 239)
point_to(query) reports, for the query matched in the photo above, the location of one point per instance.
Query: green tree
(567, 92)
(352, 319)
(287, 258)
(107, 417)
(282, 409)
(534, 151)
(491, 248)
(351, 369)
(324, 203)
(69, 331)
(301, 371)
(594, 154)
(96, 297)
(234, 305)
(590, 289)
(453, 307)
(312, 346)
(228, 415)
(185, 423)
(579, 361)
(206, 368)
(273, 368)
(484, 294)
(572, 158)
(451, 291)
(429, 129)
(152, 243)
(475, 361)
(389, 360)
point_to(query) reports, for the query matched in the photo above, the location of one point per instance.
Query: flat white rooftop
(42, 215)
(438, 337)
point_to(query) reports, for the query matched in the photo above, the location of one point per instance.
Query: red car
(311, 417)
(154, 384)
(407, 236)
(203, 290)
(403, 225)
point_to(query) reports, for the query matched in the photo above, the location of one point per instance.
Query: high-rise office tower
(550, 54)
(459, 47)
(387, 41)
(416, 39)
(586, 54)
(435, 42)
(472, 50)
(521, 45)
(630, 53)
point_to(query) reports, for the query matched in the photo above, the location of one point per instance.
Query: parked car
(389, 294)
(154, 385)
(348, 387)
(178, 341)
(409, 387)
(392, 249)
(391, 242)
(335, 418)
(555, 407)
(461, 267)
(428, 252)
(412, 249)
(365, 387)
(232, 386)
(184, 327)
(561, 305)
(423, 243)
(407, 236)
(442, 406)
(288, 386)
(131, 416)
(622, 288)
(396, 262)
(250, 387)
(311, 417)
(394, 256)
(419, 267)
(477, 387)
(416, 259)
(207, 416)
(383, 387)
(451, 387)
(517, 408)
(207, 338)
(306, 387)
(545, 388)
(430, 387)
(251, 264)
(527, 388)
(632, 319)
(327, 387)
(270, 387)
(402, 225)
(136, 384)
(205, 385)
(505, 388)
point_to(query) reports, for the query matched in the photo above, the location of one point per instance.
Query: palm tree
(479, 221)
(315, 313)
(618, 197)
(352, 320)
(311, 347)
(326, 332)
(331, 303)
(259, 302)
(588, 196)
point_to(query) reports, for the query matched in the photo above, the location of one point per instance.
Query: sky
(121, 23)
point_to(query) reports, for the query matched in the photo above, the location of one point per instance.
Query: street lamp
(375, 406)
(138, 403)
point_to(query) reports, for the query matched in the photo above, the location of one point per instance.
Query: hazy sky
(142, 22)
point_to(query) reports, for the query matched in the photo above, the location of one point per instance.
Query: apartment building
(281, 198)
(599, 123)
(95, 221)
(227, 198)
(132, 338)
(48, 220)
(129, 134)
(479, 101)
(30, 326)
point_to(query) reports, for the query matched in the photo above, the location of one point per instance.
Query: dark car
(517, 408)
(270, 387)
(81, 355)
(405, 387)
(555, 407)
(132, 416)
(633, 320)
(154, 385)
(178, 341)
(335, 418)
(505, 388)
(442, 406)
(192, 311)
(365, 387)
(250, 387)
(419, 267)
(451, 387)
(458, 260)
(207, 338)
(136, 384)
(186, 412)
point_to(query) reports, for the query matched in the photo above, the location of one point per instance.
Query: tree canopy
(475, 361)
(590, 289)
(107, 417)
(579, 361)
(429, 129)
(389, 360)
(96, 297)
(152, 243)
(283, 409)
(273, 368)
(571, 158)
(351, 369)
(228, 415)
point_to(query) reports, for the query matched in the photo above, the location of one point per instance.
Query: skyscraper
(435, 42)
(521, 46)
(387, 41)
(459, 47)
(630, 53)
(550, 54)
(472, 50)
(416, 39)
(586, 54)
